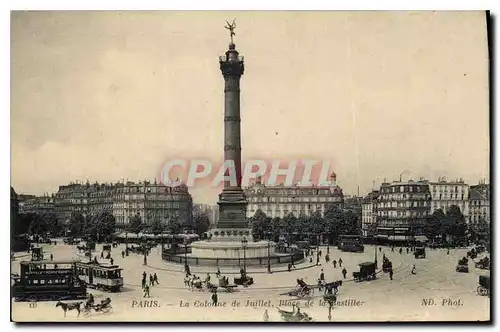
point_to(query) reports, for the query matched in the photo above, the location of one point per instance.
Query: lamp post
(376, 266)
(244, 245)
(185, 250)
(269, 256)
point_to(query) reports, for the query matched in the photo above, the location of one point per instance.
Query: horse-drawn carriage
(472, 254)
(484, 263)
(104, 307)
(294, 315)
(386, 265)
(222, 286)
(463, 265)
(484, 286)
(302, 290)
(419, 252)
(243, 281)
(366, 272)
(37, 254)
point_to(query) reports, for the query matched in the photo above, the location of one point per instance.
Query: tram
(48, 281)
(98, 276)
(351, 243)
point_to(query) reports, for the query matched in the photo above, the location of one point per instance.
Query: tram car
(419, 252)
(351, 243)
(48, 281)
(98, 276)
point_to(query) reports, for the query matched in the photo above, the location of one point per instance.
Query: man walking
(391, 273)
(344, 272)
(334, 263)
(214, 297)
(340, 262)
(146, 291)
(155, 279)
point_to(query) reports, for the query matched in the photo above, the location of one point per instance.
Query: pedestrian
(143, 283)
(289, 267)
(145, 262)
(266, 316)
(214, 297)
(391, 273)
(400, 251)
(293, 263)
(322, 275)
(344, 272)
(144, 275)
(340, 262)
(310, 259)
(102, 254)
(51, 257)
(146, 291)
(151, 280)
(413, 271)
(407, 250)
(448, 252)
(317, 260)
(392, 248)
(155, 279)
(218, 271)
(334, 263)
(319, 254)
(123, 254)
(111, 260)
(327, 258)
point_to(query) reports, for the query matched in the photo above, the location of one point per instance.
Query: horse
(69, 306)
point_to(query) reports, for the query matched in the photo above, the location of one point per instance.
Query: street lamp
(185, 250)
(244, 245)
(269, 257)
(376, 266)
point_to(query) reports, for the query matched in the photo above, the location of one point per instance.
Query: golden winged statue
(231, 27)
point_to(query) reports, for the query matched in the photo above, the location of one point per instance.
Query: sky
(107, 96)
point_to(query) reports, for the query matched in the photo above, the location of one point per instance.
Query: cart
(484, 286)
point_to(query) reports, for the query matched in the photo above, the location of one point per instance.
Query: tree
(174, 226)
(456, 225)
(105, 223)
(350, 224)
(258, 224)
(434, 225)
(76, 223)
(201, 223)
(135, 224)
(38, 225)
(22, 223)
(275, 228)
(289, 223)
(53, 225)
(157, 226)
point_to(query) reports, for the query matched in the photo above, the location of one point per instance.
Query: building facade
(479, 203)
(152, 201)
(369, 214)
(445, 194)
(39, 205)
(402, 209)
(149, 200)
(279, 201)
